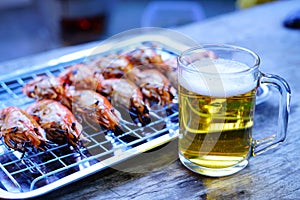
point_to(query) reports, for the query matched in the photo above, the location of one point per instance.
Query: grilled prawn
(58, 122)
(94, 106)
(20, 131)
(154, 85)
(112, 66)
(147, 58)
(44, 87)
(126, 93)
(80, 76)
(120, 91)
(87, 102)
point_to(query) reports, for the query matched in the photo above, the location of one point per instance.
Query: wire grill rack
(40, 172)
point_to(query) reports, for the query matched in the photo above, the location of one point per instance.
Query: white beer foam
(212, 78)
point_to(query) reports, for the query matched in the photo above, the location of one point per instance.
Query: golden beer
(215, 131)
(217, 94)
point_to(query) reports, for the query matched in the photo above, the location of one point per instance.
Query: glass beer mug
(217, 94)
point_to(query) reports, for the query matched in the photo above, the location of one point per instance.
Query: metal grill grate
(39, 170)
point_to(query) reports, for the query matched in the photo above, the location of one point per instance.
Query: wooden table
(273, 175)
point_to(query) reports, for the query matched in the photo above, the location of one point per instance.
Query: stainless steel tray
(40, 173)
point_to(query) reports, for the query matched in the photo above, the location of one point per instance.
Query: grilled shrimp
(58, 122)
(154, 85)
(149, 58)
(95, 107)
(20, 131)
(81, 77)
(87, 102)
(126, 93)
(44, 87)
(172, 73)
(143, 56)
(112, 66)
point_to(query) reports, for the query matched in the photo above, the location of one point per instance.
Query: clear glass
(217, 93)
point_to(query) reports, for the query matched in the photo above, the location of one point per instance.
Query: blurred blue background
(33, 26)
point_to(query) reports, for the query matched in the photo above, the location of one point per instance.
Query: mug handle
(265, 144)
